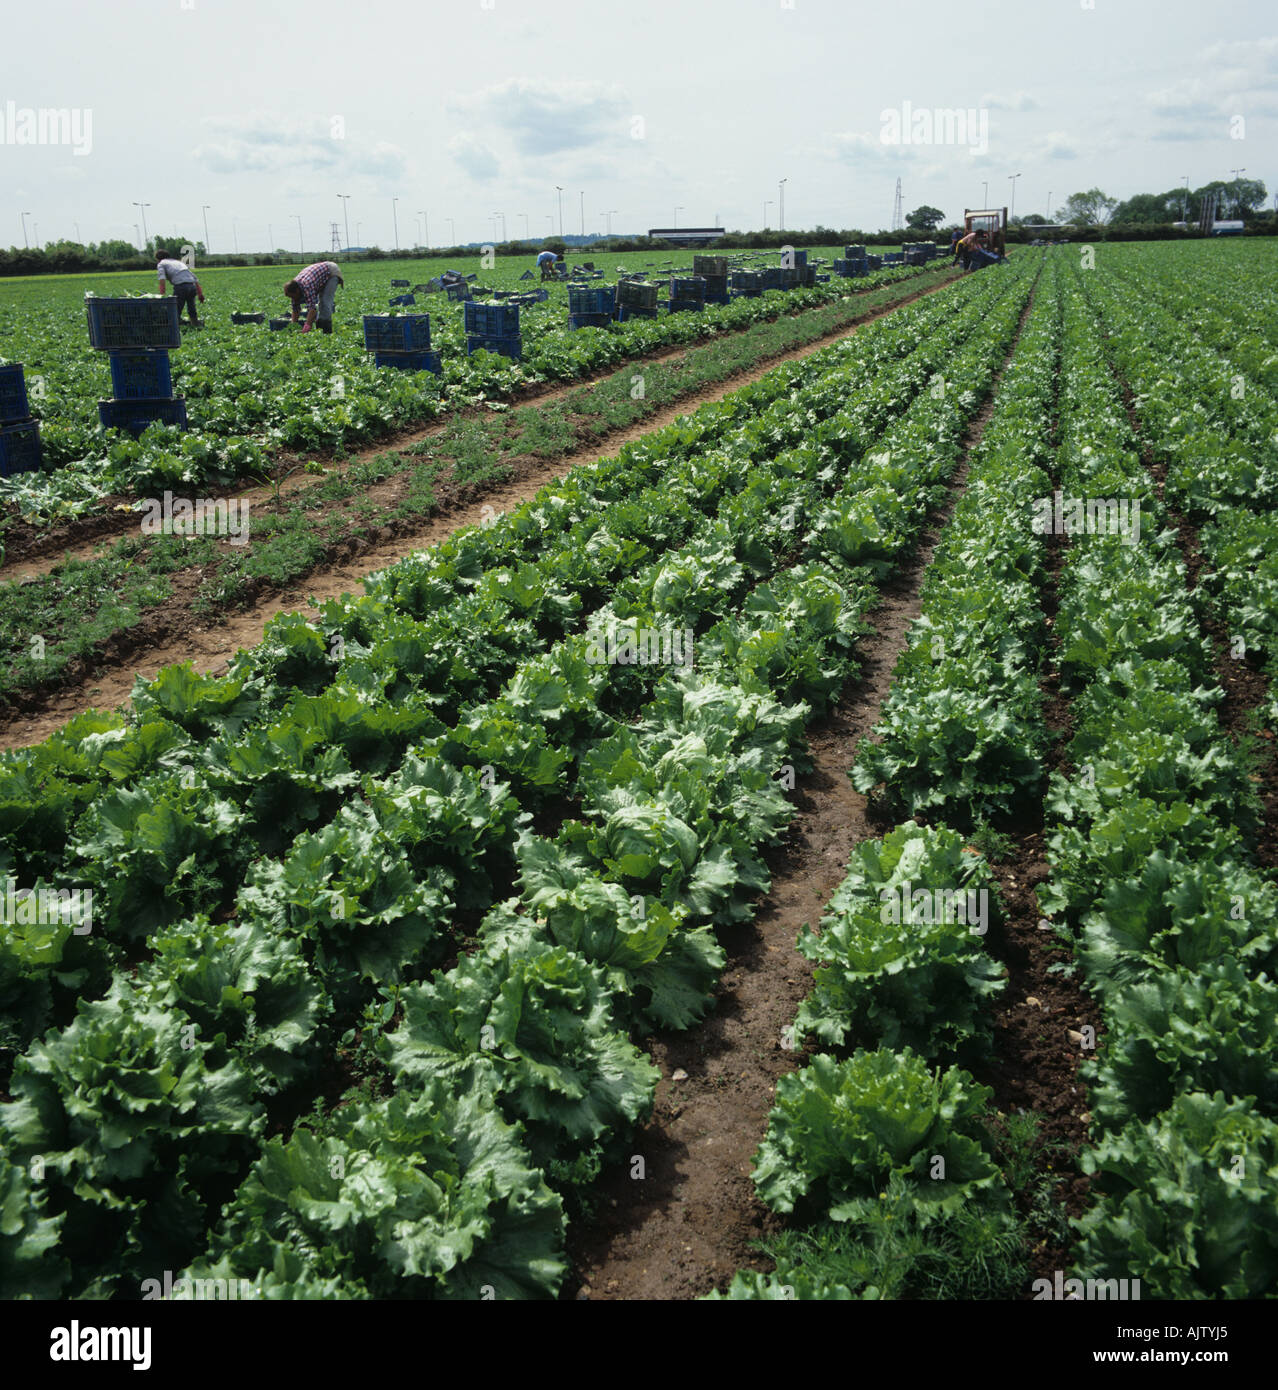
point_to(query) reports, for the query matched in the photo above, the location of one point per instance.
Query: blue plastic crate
(410, 361)
(145, 374)
(576, 321)
(19, 448)
(13, 394)
(402, 301)
(491, 320)
(397, 332)
(248, 318)
(893, 258)
(687, 287)
(510, 345)
(625, 312)
(584, 299)
(459, 292)
(874, 262)
(685, 306)
(717, 296)
(279, 325)
(133, 323)
(399, 284)
(134, 416)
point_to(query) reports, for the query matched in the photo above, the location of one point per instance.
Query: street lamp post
(346, 218)
(205, 211)
(561, 210)
(25, 242)
(395, 217)
(781, 205)
(1012, 180)
(608, 215)
(144, 207)
(985, 194)
(1184, 200)
(138, 231)
(1049, 204)
(235, 234)
(301, 242)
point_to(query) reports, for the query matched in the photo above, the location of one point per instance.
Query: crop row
(250, 394)
(879, 1150)
(365, 899)
(1153, 868)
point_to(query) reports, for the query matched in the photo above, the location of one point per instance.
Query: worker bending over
(317, 287)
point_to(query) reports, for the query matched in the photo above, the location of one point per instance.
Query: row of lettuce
(287, 861)
(880, 1150)
(1151, 841)
(1156, 851)
(250, 393)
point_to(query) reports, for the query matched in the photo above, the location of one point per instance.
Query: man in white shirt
(186, 288)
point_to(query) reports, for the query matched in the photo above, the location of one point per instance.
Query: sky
(649, 114)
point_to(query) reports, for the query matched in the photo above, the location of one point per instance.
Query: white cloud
(1008, 101)
(266, 142)
(543, 117)
(474, 157)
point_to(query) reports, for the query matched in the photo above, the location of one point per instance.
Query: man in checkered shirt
(317, 286)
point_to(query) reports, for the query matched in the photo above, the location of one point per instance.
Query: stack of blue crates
(401, 341)
(687, 294)
(636, 300)
(402, 301)
(19, 433)
(493, 328)
(590, 308)
(136, 335)
(745, 284)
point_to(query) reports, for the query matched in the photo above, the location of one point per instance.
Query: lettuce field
(804, 829)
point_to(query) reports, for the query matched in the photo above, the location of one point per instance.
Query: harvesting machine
(991, 220)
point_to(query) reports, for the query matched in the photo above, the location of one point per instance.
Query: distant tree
(1031, 219)
(1150, 207)
(925, 218)
(1092, 208)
